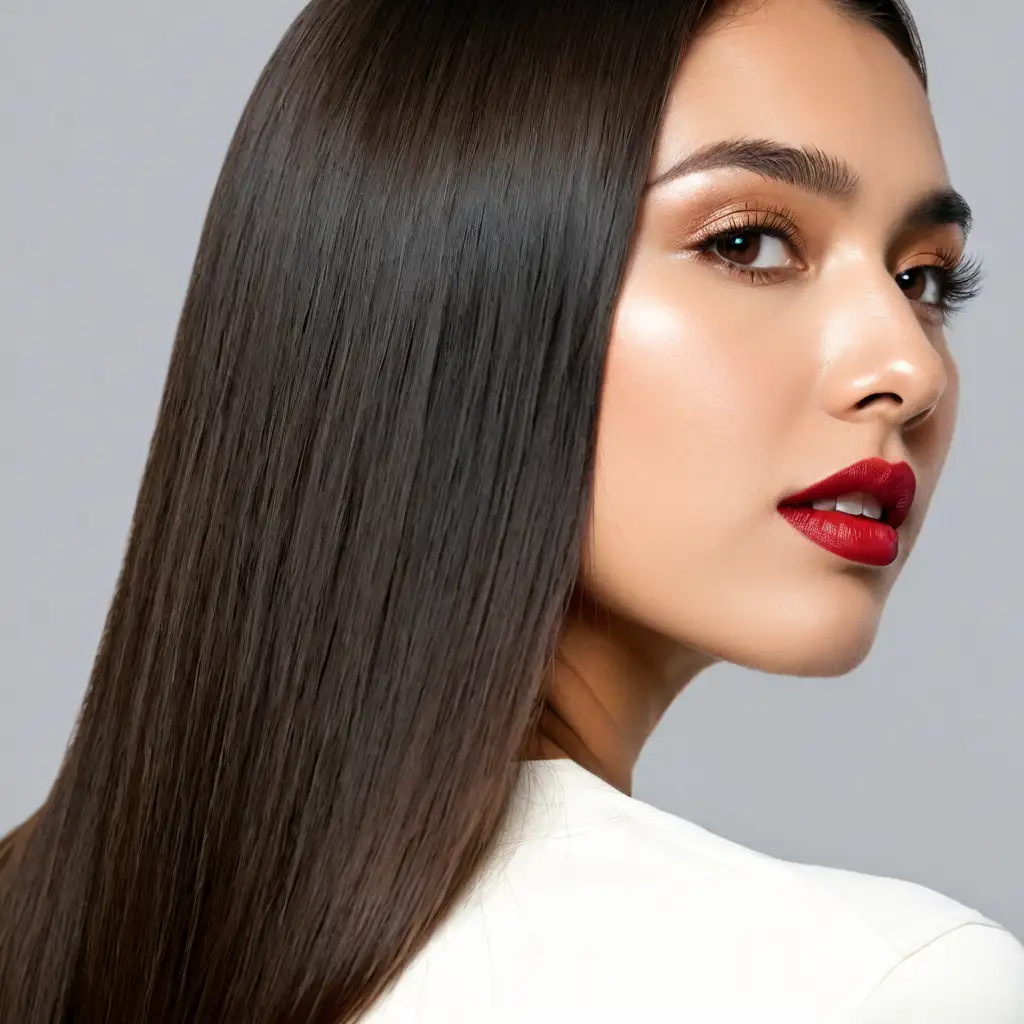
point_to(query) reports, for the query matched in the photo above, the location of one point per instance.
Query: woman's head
(441, 339)
(744, 367)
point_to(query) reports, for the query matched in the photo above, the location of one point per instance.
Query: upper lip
(892, 484)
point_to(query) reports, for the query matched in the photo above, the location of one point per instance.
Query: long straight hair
(359, 525)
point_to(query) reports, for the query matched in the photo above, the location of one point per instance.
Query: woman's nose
(880, 362)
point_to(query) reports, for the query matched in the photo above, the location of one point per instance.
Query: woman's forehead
(802, 74)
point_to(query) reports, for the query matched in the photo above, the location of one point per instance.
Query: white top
(601, 908)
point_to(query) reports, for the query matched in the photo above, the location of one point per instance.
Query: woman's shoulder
(903, 914)
(973, 971)
(947, 962)
(897, 949)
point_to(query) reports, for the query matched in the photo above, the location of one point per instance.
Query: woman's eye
(922, 284)
(753, 250)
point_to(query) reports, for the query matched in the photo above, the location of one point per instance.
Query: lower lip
(867, 541)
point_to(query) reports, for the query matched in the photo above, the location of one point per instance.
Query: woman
(536, 357)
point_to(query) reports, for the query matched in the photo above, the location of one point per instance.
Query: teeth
(872, 507)
(851, 504)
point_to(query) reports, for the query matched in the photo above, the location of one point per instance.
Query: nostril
(865, 402)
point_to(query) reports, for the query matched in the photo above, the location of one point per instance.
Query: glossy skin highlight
(725, 392)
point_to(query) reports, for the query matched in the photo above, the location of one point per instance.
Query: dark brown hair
(360, 520)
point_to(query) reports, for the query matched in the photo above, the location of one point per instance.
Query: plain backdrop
(115, 118)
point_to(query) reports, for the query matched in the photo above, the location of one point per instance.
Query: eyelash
(960, 278)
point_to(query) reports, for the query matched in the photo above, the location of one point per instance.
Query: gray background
(115, 118)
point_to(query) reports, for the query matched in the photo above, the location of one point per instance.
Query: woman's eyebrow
(937, 209)
(814, 171)
(804, 167)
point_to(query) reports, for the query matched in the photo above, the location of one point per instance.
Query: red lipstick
(859, 538)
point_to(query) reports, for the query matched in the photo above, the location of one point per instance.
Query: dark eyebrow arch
(816, 172)
(804, 167)
(937, 209)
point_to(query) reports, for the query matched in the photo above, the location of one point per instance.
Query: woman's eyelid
(943, 246)
(940, 252)
(940, 264)
(769, 224)
(754, 214)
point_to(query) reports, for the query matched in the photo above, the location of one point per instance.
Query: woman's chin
(836, 657)
(809, 633)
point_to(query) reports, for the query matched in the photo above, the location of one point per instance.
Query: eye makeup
(950, 280)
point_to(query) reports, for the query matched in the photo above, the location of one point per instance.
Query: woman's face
(745, 367)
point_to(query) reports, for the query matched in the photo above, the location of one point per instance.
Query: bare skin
(726, 391)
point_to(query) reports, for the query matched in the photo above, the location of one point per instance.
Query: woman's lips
(867, 541)
(859, 538)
